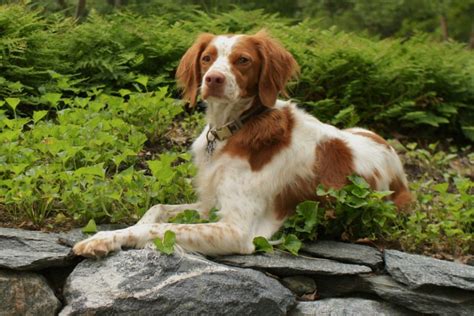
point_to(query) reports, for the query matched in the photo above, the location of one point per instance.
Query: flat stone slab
(346, 306)
(441, 301)
(281, 263)
(31, 250)
(145, 282)
(26, 293)
(416, 271)
(341, 251)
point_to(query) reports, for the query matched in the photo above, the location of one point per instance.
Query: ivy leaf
(52, 98)
(292, 244)
(38, 115)
(186, 217)
(96, 170)
(309, 211)
(262, 245)
(161, 170)
(143, 80)
(166, 245)
(90, 228)
(213, 216)
(359, 181)
(13, 102)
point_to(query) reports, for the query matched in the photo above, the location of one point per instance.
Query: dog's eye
(243, 60)
(206, 58)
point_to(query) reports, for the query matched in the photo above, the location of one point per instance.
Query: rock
(437, 301)
(341, 251)
(346, 306)
(299, 284)
(285, 264)
(417, 271)
(433, 301)
(32, 250)
(26, 293)
(145, 282)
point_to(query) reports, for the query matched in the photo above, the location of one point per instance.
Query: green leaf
(18, 168)
(292, 244)
(90, 228)
(441, 187)
(13, 102)
(143, 80)
(96, 170)
(161, 170)
(213, 216)
(166, 245)
(359, 181)
(38, 115)
(186, 217)
(309, 211)
(52, 98)
(124, 92)
(262, 245)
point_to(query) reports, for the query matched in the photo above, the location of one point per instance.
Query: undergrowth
(90, 125)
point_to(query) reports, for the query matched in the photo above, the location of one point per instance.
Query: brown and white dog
(258, 157)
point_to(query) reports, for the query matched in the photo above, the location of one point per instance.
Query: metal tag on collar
(211, 143)
(222, 133)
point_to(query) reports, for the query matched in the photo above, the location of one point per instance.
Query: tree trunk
(471, 39)
(81, 9)
(444, 27)
(62, 4)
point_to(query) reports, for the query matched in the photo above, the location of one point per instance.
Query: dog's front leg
(210, 239)
(160, 213)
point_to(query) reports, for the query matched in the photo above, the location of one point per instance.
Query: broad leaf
(90, 228)
(262, 245)
(166, 245)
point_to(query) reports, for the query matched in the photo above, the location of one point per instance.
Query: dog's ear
(278, 66)
(188, 73)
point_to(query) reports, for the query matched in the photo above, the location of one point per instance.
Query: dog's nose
(215, 79)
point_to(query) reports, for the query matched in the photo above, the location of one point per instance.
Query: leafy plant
(166, 245)
(355, 211)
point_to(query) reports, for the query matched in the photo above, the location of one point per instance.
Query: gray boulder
(341, 251)
(26, 293)
(281, 263)
(434, 301)
(417, 271)
(145, 282)
(32, 250)
(346, 307)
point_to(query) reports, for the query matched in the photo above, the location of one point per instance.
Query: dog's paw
(98, 245)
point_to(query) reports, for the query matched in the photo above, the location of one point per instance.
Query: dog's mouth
(208, 93)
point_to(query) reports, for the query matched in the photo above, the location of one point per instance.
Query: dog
(258, 156)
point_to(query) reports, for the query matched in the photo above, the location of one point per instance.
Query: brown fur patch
(298, 191)
(401, 196)
(189, 73)
(246, 74)
(262, 137)
(375, 137)
(332, 166)
(278, 66)
(333, 163)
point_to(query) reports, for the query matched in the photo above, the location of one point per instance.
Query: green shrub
(415, 85)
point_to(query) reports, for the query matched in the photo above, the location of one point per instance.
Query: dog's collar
(225, 131)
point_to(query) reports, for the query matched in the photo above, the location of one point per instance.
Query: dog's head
(235, 67)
